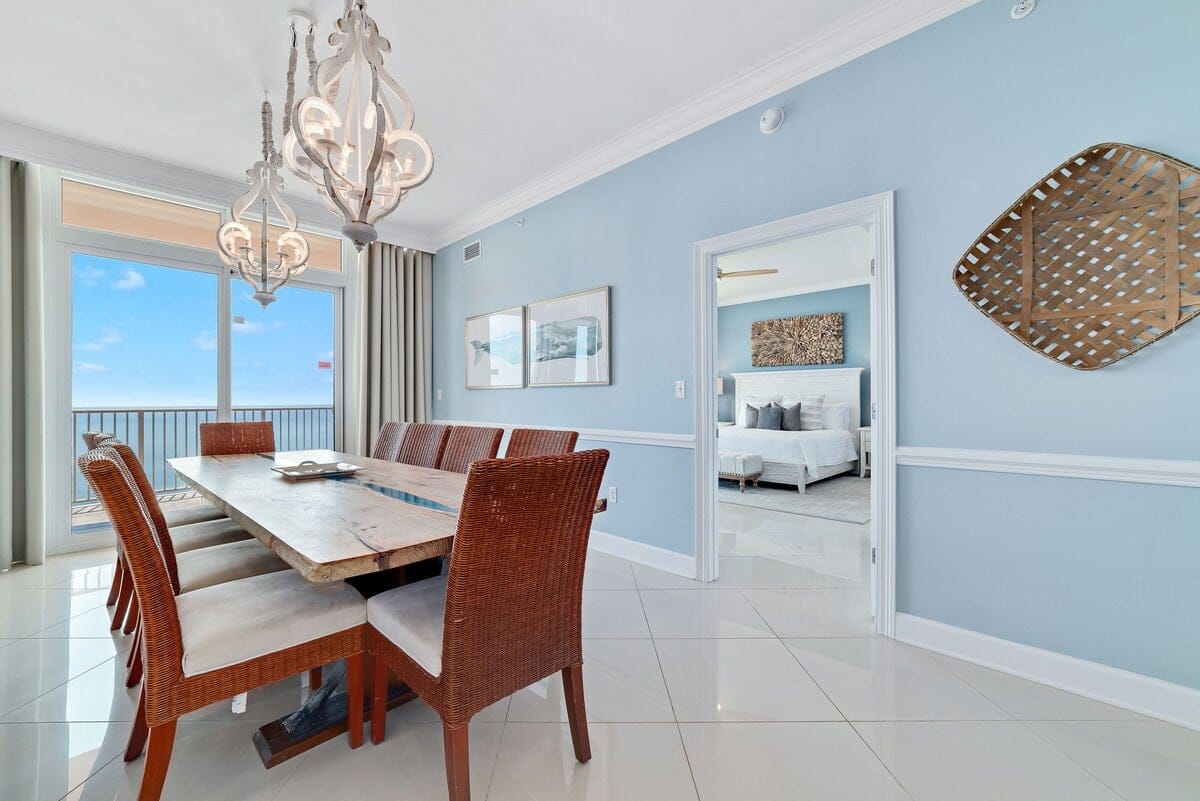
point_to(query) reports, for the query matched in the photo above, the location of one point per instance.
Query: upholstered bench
(741, 467)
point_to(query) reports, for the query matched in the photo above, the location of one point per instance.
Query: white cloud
(206, 340)
(88, 275)
(90, 367)
(249, 328)
(111, 336)
(130, 281)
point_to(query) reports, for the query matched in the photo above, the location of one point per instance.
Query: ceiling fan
(745, 273)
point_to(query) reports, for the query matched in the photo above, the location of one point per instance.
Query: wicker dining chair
(226, 439)
(507, 614)
(387, 446)
(423, 444)
(469, 444)
(214, 643)
(230, 553)
(525, 442)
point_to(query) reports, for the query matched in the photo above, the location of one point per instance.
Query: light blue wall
(959, 119)
(733, 336)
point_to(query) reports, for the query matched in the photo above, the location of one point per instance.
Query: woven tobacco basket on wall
(1095, 262)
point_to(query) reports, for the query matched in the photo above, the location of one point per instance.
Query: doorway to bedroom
(791, 335)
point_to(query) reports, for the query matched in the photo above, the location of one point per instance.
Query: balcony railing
(159, 434)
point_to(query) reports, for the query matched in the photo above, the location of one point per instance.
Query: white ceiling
(828, 260)
(507, 93)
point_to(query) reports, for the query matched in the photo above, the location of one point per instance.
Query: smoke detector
(771, 120)
(1023, 9)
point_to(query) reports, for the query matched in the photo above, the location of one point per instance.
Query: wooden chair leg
(135, 670)
(314, 679)
(458, 768)
(115, 589)
(576, 714)
(123, 598)
(379, 695)
(355, 698)
(131, 617)
(162, 740)
(137, 737)
(137, 643)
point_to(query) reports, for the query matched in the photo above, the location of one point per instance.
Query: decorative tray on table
(311, 469)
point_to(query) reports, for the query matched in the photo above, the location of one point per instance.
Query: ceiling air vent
(472, 251)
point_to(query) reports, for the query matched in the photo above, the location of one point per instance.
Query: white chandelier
(265, 260)
(352, 135)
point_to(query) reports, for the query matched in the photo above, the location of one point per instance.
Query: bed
(797, 457)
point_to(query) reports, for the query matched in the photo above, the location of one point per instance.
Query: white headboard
(839, 385)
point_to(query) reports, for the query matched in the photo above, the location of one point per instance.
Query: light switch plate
(680, 389)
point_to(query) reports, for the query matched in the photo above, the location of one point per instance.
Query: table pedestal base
(322, 718)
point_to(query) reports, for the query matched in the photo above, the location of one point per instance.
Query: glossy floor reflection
(767, 684)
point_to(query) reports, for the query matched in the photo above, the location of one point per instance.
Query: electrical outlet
(680, 389)
(612, 494)
(439, 393)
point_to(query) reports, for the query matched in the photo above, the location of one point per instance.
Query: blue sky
(147, 336)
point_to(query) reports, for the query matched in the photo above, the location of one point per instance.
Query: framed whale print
(569, 343)
(495, 349)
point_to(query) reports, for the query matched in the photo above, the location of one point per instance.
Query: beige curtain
(397, 348)
(22, 528)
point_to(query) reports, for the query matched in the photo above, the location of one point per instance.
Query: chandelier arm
(364, 208)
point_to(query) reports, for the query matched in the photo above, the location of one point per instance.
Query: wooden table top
(331, 529)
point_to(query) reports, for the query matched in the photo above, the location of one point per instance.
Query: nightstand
(864, 451)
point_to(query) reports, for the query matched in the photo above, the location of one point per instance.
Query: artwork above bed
(812, 339)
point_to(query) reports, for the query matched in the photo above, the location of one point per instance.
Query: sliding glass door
(157, 336)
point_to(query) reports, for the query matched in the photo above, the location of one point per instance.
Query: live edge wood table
(387, 516)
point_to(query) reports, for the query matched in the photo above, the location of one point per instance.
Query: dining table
(370, 527)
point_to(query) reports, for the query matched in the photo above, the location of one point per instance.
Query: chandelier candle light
(352, 135)
(246, 243)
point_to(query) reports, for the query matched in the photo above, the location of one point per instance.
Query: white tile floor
(766, 685)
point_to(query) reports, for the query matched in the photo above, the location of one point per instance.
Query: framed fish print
(569, 343)
(495, 349)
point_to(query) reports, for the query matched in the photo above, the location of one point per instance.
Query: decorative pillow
(770, 418)
(757, 401)
(835, 416)
(810, 410)
(750, 416)
(792, 417)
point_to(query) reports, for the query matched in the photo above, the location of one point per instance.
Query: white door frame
(876, 212)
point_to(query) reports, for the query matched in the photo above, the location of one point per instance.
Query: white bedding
(813, 449)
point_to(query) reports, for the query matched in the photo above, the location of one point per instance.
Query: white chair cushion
(230, 623)
(413, 618)
(206, 535)
(205, 567)
(187, 515)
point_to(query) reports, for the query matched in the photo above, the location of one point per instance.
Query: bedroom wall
(733, 336)
(959, 119)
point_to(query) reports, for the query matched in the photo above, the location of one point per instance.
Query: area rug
(844, 498)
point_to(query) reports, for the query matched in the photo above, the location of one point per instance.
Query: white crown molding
(652, 438)
(808, 59)
(1167, 472)
(809, 289)
(106, 164)
(680, 564)
(1174, 703)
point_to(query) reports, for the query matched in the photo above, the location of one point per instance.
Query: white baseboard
(1148, 696)
(649, 555)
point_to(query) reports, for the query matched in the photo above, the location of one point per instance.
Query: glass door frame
(60, 243)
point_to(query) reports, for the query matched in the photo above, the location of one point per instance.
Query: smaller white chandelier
(265, 260)
(352, 135)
